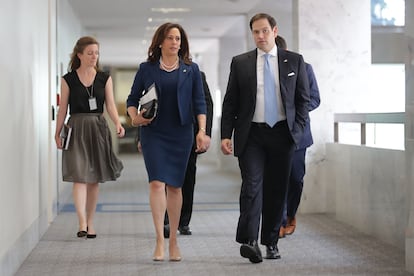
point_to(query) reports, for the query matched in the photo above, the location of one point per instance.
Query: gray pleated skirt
(90, 157)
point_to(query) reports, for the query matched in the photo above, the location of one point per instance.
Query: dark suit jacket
(314, 102)
(240, 99)
(190, 99)
(209, 105)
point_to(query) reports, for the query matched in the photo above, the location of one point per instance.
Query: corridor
(124, 246)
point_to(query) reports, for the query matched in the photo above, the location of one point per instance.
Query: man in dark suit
(264, 147)
(298, 170)
(190, 174)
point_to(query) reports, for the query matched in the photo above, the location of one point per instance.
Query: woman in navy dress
(167, 139)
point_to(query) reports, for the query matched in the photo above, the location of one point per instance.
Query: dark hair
(281, 42)
(80, 46)
(154, 51)
(258, 16)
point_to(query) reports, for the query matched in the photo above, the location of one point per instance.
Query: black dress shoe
(272, 252)
(166, 231)
(251, 251)
(91, 236)
(184, 230)
(81, 234)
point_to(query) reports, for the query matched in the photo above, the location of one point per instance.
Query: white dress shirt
(259, 114)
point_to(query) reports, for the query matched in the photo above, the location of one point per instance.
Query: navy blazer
(190, 95)
(240, 100)
(315, 100)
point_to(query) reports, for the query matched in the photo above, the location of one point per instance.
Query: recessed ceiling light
(168, 10)
(166, 19)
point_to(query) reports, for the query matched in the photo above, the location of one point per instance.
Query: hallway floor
(125, 243)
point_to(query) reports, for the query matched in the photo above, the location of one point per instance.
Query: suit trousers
(295, 187)
(188, 189)
(265, 167)
(296, 182)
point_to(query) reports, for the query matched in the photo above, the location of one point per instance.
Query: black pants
(295, 188)
(265, 167)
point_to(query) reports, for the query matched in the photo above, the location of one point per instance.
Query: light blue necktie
(269, 93)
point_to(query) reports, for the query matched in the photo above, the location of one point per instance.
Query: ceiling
(124, 28)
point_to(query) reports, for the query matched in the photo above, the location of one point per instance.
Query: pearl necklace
(168, 68)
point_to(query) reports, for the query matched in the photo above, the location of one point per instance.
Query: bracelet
(202, 129)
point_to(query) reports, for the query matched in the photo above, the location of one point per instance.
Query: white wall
(336, 40)
(68, 32)
(24, 119)
(28, 84)
(368, 188)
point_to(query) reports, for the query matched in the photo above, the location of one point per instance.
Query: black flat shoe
(184, 230)
(90, 236)
(81, 234)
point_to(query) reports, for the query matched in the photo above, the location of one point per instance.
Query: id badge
(92, 103)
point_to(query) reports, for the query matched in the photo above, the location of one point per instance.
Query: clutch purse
(149, 102)
(150, 109)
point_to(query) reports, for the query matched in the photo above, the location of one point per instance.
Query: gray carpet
(125, 242)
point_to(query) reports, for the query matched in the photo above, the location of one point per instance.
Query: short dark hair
(281, 42)
(258, 16)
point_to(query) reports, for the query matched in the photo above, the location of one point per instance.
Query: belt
(260, 125)
(264, 125)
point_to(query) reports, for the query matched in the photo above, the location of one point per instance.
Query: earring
(160, 46)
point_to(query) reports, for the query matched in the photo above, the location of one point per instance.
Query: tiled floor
(125, 242)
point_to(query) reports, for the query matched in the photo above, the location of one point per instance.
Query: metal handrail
(366, 118)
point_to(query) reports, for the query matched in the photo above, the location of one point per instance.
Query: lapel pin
(185, 70)
(285, 60)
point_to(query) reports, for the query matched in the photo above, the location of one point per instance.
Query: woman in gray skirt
(88, 158)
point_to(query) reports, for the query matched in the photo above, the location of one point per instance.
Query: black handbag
(149, 102)
(150, 109)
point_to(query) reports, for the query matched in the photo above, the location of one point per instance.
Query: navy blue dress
(166, 146)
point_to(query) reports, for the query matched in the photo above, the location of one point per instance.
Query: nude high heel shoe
(175, 255)
(158, 253)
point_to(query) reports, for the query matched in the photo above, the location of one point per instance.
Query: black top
(78, 93)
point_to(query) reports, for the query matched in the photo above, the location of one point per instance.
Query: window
(387, 91)
(387, 12)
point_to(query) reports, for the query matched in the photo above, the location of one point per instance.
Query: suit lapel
(251, 68)
(183, 72)
(283, 70)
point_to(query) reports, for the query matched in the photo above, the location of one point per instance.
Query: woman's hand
(203, 141)
(59, 141)
(120, 131)
(138, 120)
